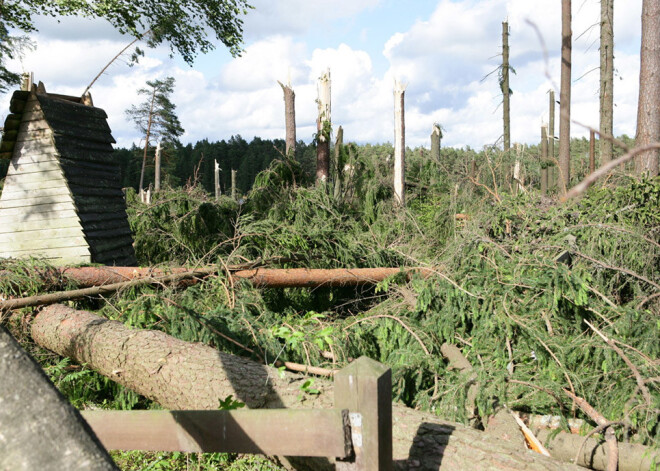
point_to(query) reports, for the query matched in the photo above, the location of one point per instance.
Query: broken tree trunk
(290, 117)
(183, 375)
(39, 429)
(399, 144)
(323, 128)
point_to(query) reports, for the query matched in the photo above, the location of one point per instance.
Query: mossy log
(184, 375)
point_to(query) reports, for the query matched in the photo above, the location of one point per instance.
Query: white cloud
(443, 58)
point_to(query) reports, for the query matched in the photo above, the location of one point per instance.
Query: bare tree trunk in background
(233, 184)
(290, 117)
(399, 143)
(544, 160)
(436, 139)
(146, 141)
(552, 181)
(592, 151)
(648, 111)
(216, 175)
(606, 79)
(39, 429)
(565, 98)
(157, 173)
(339, 166)
(506, 103)
(324, 128)
(506, 91)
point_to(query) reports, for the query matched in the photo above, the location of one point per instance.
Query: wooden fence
(358, 431)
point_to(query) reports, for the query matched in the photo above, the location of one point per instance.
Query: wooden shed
(62, 198)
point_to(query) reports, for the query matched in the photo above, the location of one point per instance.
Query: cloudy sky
(443, 49)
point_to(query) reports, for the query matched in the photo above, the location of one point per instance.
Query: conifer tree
(155, 117)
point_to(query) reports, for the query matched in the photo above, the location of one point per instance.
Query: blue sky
(442, 49)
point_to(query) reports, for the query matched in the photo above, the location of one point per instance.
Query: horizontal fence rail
(357, 432)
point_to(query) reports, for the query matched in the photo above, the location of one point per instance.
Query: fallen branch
(610, 437)
(605, 169)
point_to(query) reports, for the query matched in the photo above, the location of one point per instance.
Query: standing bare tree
(290, 117)
(436, 140)
(648, 111)
(324, 128)
(551, 141)
(504, 85)
(565, 97)
(155, 117)
(399, 143)
(606, 79)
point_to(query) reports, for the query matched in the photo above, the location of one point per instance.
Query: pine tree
(155, 117)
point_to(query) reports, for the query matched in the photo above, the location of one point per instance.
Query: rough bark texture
(39, 429)
(157, 169)
(338, 165)
(565, 98)
(551, 140)
(648, 111)
(290, 118)
(323, 126)
(544, 160)
(564, 446)
(182, 375)
(506, 91)
(606, 79)
(436, 138)
(399, 144)
(233, 184)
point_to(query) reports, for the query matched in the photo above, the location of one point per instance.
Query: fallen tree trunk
(183, 375)
(261, 277)
(564, 446)
(39, 429)
(95, 281)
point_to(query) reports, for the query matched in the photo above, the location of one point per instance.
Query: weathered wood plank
(289, 432)
(34, 135)
(39, 125)
(38, 146)
(20, 226)
(40, 244)
(36, 167)
(37, 208)
(21, 185)
(9, 239)
(26, 157)
(28, 203)
(19, 178)
(96, 135)
(10, 194)
(62, 256)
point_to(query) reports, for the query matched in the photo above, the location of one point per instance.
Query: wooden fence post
(365, 388)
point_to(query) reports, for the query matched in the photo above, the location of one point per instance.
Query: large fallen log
(39, 429)
(183, 375)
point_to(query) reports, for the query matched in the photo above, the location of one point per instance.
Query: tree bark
(157, 171)
(233, 184)
(339, 168)
(544, 160)
(506, 90)
(146, 141)
(648, 111)
(182, 375)
(606, 79)
(565, 98)
(551, 141)
(290, 118)
(436, 138)
(324, 128)
(39, 429)
(399, 144)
